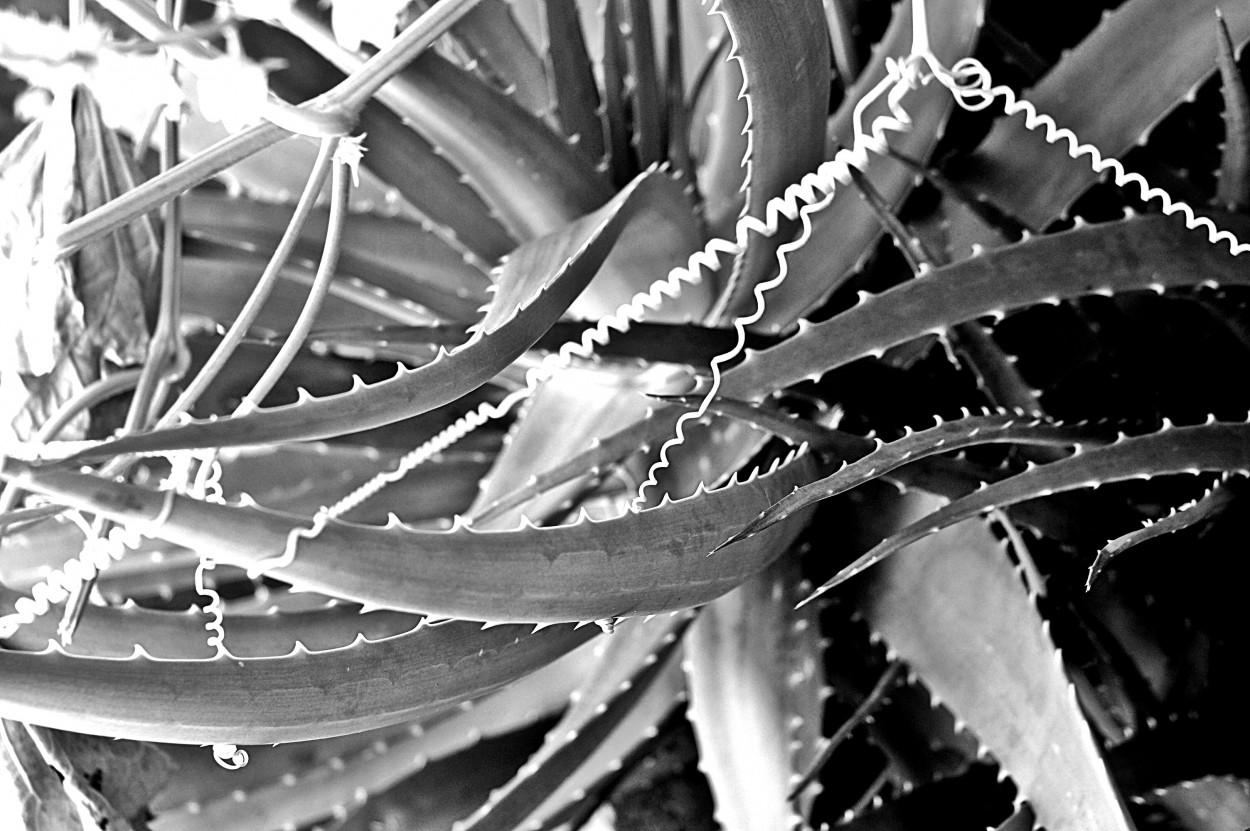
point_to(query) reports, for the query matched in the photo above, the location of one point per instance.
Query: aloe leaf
(646, 104)
(494, 40)
(719, 134)
(793, 429)
(305, 793)
(301, 696)
(783, 52)
(1211, 446)
(1210, 504)
(390, 253)
(572, 79)
(643, 562)
(114, 631)
(1144, 252)
(587, 404)
(1162, 50)
(525, 171)
(739, 674)
(946, 437)
(439, 797)
(1233, 189)
(537, 283)
(217, 282)
(1212, 803)
(845, 232)
(639, 434)
(959, 616)
(566, 750)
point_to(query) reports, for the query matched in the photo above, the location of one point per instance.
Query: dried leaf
(69, 322)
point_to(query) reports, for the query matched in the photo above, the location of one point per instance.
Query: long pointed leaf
(564, 263)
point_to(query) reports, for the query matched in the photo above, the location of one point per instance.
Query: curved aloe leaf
(639, 563)
(537, 283)
(845, 232)
(946, 437)
(1211, 446)
(783, 52)
(1213, 502)
(301, 696)
(1145, 252)
(1162, 50)
(299, 794)
(958, 614)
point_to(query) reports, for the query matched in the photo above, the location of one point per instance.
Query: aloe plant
(624, 414)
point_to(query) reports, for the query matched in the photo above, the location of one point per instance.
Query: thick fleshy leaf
(300, 794)
(538, 282)
(1162, 50)
(525, 171)
(741, 703)
(1233, 189)
(31, 795)
(1205, 447)
(389, 253)
(296, 697)
(1145, 252)
(589, 405)
(958, 614)
(783, 52)
(1213, 803)
(642, 562)
(845, 232)
(946, 437)
(631, 689)
(495, 41)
